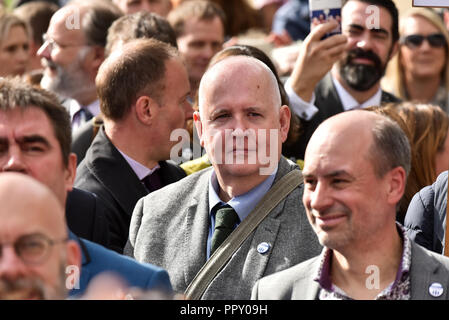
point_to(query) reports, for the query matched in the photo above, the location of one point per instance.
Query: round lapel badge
(436, 289)
(263, 247)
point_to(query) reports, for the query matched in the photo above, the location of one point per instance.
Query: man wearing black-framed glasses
(35, 251)
(35, 141)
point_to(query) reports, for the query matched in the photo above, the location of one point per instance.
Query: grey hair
(390, 147)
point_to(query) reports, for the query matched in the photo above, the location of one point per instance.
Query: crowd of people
(148, 151)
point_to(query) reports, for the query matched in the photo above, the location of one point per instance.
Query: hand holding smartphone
(322, 11)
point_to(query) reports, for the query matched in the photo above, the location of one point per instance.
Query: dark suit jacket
(106, 173)
(425, 220)
(297, 283)
(86, 216)
(82, 140)
(329, 104)
(97, 259)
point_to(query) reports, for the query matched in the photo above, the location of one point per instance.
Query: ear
(397, 179)
(198, 126)
(147, 109)
(74, 259)
(98, 57)
(93, 60)
(394, 50)
(284, 122)
(70, 172)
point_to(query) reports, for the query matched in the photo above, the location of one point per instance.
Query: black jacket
(106, 173)
(425, 220)
(329, 104)
(86, 216)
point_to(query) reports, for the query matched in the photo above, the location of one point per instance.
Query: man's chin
(48, 80)
(240, 170)
(23, 294)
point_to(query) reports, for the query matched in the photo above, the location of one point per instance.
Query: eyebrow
(376, 30)
(35, 138)
(332, 174)
(218, 111)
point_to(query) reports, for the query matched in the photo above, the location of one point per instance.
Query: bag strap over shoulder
(221, 256)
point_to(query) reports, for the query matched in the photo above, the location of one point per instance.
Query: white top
(306, 110)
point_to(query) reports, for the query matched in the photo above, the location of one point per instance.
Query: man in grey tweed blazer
(173, 226)
(351, 192)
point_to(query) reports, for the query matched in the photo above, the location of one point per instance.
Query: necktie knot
(225, 220)
(152, 182)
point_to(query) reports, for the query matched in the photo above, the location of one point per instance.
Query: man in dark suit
(343, 72)
(92, 224)
(35, 137)
(143, 91)
(351, 194)
(182, 226)
(129, 27)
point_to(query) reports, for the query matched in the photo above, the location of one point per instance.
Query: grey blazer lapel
(197, 230)
(266, 233)
(426, 270)
(305, 288)
(256, 262)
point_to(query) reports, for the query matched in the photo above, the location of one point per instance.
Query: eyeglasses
(52, 44)
(436, 40)
(32, 248)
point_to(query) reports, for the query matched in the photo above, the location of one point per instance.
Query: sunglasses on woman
(436, 40)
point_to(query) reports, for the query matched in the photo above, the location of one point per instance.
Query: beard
(26, 288)
(69, 82)
(362, 77)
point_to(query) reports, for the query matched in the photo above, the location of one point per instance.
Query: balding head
(355, 172)
(41, 204)
(33, 223)
(237, 71)
(385, 143)
(241, 121)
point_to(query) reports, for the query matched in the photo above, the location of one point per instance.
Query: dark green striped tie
(225, 220)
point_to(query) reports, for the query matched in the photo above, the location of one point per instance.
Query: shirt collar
(323, 276)
(139, 169)
(349, 102)
(74, 107)
(244, 203)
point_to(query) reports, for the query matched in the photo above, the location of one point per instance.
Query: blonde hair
(9, 20)
(396, 81)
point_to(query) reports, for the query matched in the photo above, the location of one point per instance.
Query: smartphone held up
(322, 11)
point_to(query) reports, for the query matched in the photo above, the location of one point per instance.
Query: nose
(11, 266)
(364, 41)
(44, 51)
(319, 198)
(14, 162)
(240, 123)
(23, 55)
(208, 52)
(425, 45)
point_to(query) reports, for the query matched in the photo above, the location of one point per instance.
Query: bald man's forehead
(30, 207)
(234, 73)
